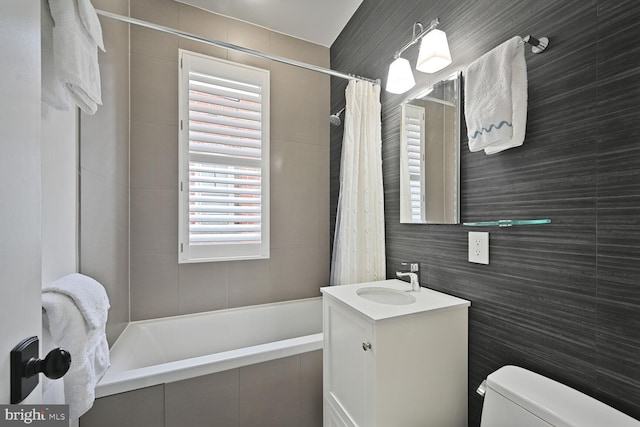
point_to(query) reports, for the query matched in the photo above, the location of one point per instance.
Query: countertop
(426, 299)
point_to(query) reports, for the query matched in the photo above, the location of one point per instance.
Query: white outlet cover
(479, 247)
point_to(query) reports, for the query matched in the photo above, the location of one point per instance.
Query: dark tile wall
(560, 299)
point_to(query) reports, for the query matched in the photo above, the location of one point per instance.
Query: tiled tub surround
(561, 299)
(129, 214)
(299, 263)
(249, 366)
(104, 174)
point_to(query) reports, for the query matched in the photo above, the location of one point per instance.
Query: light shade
(400, 78)
(434, 52)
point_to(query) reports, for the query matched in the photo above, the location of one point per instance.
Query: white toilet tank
(517, 397)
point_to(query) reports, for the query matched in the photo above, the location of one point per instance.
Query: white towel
(53, 93)
(495, 95)
(76, 37)
(88, 294)
(91, 22)
(70, 328)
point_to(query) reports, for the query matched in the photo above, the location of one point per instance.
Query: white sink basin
(386, 296)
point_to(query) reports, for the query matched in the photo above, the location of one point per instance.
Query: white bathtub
(158, 351)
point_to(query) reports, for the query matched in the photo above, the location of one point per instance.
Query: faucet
(415, 285)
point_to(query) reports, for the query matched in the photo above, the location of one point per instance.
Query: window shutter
(226, 147)
(414, 130)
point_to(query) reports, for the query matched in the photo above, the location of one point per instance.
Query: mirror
(430, 155)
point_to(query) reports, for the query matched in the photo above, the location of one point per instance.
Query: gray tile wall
(138, 408)
(278, 393)
(562, 299)
(299, 262)
(104, 174)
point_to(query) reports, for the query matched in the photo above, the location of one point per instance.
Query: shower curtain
(359, 243)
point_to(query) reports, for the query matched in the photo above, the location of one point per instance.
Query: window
(224, 160)
(414, 134)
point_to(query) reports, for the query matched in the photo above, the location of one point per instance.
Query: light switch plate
(479, 247)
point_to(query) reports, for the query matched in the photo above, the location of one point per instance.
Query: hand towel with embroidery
(495, 93)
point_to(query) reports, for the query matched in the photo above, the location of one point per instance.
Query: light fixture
(434, 56)
(400, 78)
(434, 52)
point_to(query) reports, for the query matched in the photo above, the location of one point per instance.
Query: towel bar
(507, 222)
(537, 45)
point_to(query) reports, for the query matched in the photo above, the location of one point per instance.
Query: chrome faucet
(415, 285)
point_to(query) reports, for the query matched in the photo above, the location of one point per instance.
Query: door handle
(26, 365)
(54, 366)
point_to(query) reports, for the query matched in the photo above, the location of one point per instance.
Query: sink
(386, 296)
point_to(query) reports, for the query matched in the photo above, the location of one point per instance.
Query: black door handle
(54, 366)
(25, 367)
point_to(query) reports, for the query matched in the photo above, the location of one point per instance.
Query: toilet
(514, 396)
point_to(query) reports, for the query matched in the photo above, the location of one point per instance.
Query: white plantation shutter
(224, 160)
(414, 121)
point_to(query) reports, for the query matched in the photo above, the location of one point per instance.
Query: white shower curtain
(359, 244)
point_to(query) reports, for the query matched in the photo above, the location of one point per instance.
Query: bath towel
(90, 22)
(77, 319)
(88, 295)
(495, 95)
(53, 92)
(76, 38)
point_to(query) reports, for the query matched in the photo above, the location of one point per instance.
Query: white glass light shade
(434, 52)
(400, 78)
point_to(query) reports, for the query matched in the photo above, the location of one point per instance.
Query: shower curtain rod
(226, 45)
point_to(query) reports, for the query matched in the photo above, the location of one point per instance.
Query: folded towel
(76, 315)
(75, 46)
(88, 348)
(88, 295)
(495, 95)
(91, 22)
(53, 93)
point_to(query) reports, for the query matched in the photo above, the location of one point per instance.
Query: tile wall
(299, 263)
(279, 393)
(561, 299)
(104, 174)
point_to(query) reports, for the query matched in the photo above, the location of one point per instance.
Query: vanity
(392, 357)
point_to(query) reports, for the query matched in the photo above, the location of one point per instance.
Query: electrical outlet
(414, 267)
(479, 247)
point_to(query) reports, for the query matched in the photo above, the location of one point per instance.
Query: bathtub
(165, 350)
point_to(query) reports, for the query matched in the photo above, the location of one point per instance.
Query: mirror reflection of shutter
(415, 128)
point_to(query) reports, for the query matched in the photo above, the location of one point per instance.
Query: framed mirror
(430, 155)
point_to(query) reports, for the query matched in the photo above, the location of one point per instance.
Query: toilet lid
(554, 402)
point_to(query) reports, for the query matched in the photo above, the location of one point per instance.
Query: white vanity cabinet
(391, 365)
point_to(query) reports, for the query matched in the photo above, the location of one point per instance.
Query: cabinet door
(348, 363)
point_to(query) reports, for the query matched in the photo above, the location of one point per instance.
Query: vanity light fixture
(434, 55)
(400, 78)
(434, 52)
